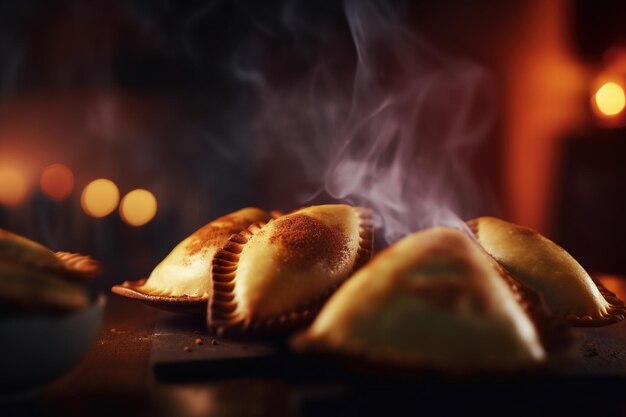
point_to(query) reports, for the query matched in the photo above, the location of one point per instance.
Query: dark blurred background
(165, 96)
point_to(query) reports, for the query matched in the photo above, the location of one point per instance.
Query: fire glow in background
(124, 126)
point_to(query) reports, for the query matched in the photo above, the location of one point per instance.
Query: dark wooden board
(598, 351)
(601, 351)
(176, 355)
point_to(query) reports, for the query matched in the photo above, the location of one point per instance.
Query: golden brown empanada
(433, 300)
(28, 289)
(22, 251)
(182, 282)
(541, 264)
(33, 278)
(274, 277)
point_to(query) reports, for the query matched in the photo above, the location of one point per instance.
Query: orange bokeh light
(57, 181)
(100, 197)
(610, 99)
(138, 207)
(13, 185)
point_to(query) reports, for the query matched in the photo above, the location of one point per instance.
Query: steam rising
(398, 139)
(368, 112)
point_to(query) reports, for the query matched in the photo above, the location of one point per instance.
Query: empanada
(33, 278)
(22, 251)
(541, 264)
(434, 300)
(25, 289)
(182, 282)
(274, 277)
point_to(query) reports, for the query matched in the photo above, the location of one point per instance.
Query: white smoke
(398, 139)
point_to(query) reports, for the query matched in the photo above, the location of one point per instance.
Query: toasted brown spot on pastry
(286, 268)
(306, 240)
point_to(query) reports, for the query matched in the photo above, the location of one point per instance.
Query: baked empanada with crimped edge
(567, 289)
(434, 301)
(182, 282)
(23, 251)
(274, 277)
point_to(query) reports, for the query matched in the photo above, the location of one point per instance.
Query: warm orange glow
(57, 181)
(614, 283)
(100, 197)
(138, 207)
(610, 99)
(13, 185)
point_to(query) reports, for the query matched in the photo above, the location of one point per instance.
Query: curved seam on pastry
(524, 296)
(223, 322)
(223, 304)
(366, 237)
(615, 312)
(552, 334)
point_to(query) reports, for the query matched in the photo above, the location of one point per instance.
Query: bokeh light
(610, 99)
(138, 207)
(13, 185)
(100, 197)
(57, 181)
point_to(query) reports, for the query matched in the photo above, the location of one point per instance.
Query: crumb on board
(198, 341)
(590, 350)
(214, 342)
(187, 349)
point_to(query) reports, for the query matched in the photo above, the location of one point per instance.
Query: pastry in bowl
(273, 277)
(35, 279)
(434, 300)
(182, 282)
(47, 318)
(568, 290)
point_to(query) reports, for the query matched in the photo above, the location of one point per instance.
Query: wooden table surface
(115, 380)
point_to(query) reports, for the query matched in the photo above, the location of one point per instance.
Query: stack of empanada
(257, 274)
(441, 298)
(438, 299)
(35, 279)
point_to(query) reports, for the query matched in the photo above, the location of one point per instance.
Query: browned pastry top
(274, 277)
(186, 273)
(434, 299)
